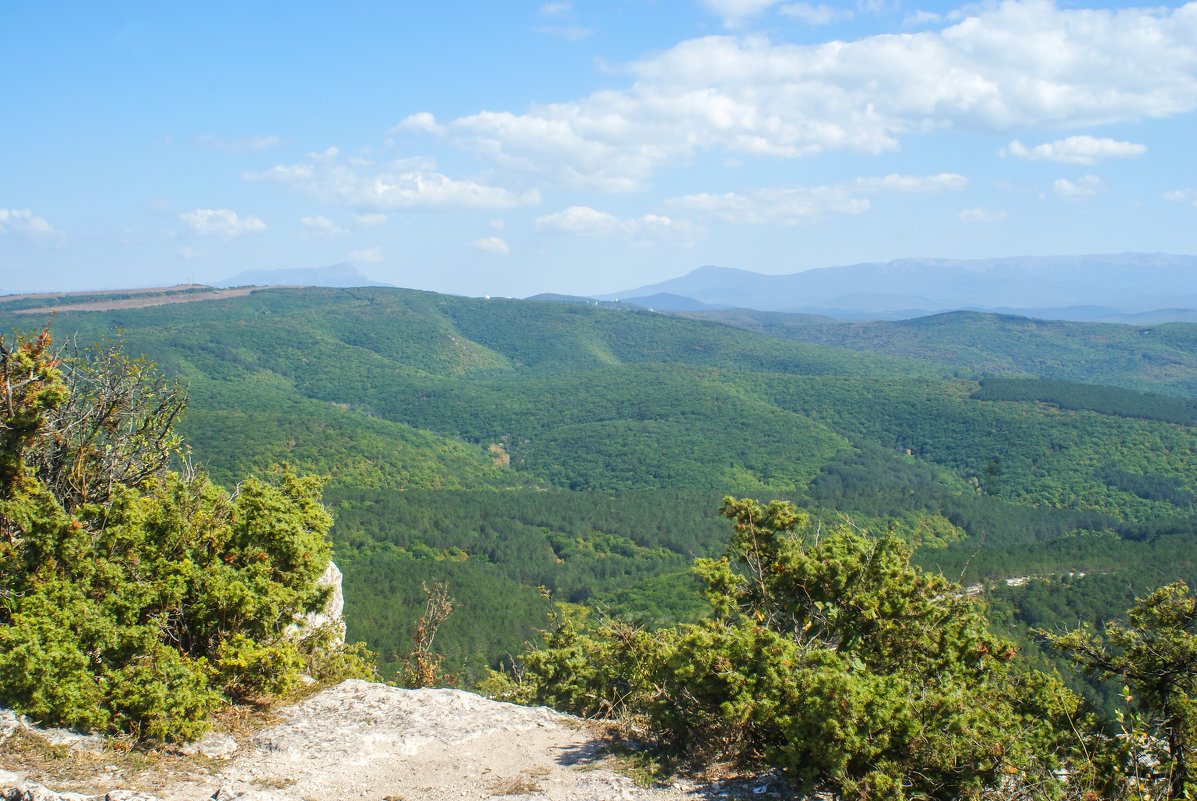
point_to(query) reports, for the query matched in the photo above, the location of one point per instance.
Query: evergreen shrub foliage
(829, 656)
(132, 598)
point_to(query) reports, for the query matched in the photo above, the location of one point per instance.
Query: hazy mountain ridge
(1151, 287)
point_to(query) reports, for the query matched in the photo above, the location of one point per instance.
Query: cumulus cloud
(402, 184)
(585, 221)
(556, 9)
(924, 184)
(222, 223)
(245, 144)
(998, 68)
(1083, 189)
(321, 227)
(373, 254)
(189, 252)
(1074, 150)
(491, 244)
(981, 215)
(797, 204)
(571, 32)
(920, 18)
(775, 206)
(816, 15)
(1182, 196)
(370, 220)
(30, 226)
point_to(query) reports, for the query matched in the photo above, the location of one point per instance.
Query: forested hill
(1159, 358)
(505, 445)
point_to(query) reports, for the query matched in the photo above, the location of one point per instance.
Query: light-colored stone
(332, 616)
(83, 743)
(363, 740)
(213, 745)
(9, 722)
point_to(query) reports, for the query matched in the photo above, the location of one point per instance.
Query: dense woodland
(536, 454)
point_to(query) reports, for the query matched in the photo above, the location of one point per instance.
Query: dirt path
(360, 740)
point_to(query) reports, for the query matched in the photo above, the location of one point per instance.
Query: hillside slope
(505, 445)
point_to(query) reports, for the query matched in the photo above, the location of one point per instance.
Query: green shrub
(140, 600)
(829, 656)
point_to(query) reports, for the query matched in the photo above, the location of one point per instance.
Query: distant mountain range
(1138, 288)
(338, 275)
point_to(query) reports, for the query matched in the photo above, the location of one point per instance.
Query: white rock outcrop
(333, 613)
(361, 740)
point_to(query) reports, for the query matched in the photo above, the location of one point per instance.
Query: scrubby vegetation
(828, 655)
(135, 599)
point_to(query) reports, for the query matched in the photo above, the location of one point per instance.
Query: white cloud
(402, 184)
(33, 228)
(571, 32)
(189, 252)
(585, 221)
(557, 9)
(1003, 67)
(370, 220)
(816, 15)
(582, 220)
(925, 184)
(373, 254)
(221, 222)
(775, 206)
(321, 227)
(1083, 189)
(797, 204)
(1182, 196)
(245, 144)
(982, 215)
(921, 18)
(491, 244)
(1074, 150)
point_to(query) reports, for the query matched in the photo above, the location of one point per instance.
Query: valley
(505, 446)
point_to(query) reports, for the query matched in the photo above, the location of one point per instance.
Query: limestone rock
(360, 740)
(331, 615)
(212, 745)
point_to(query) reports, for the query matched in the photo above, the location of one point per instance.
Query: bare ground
(138, 302)
(370, 741)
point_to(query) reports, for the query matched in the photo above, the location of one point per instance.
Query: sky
(587, 146)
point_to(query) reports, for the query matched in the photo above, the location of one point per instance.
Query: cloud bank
(223, 223)
(358, 183)
(1007, 66)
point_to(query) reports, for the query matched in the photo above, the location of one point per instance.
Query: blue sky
(584, 147)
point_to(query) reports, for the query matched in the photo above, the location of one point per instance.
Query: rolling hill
(506, 445)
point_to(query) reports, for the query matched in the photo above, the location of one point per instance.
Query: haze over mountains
(1140, 288)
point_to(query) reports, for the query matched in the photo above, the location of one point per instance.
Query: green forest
(540, 456)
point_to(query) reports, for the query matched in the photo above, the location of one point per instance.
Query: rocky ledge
(371, 741)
